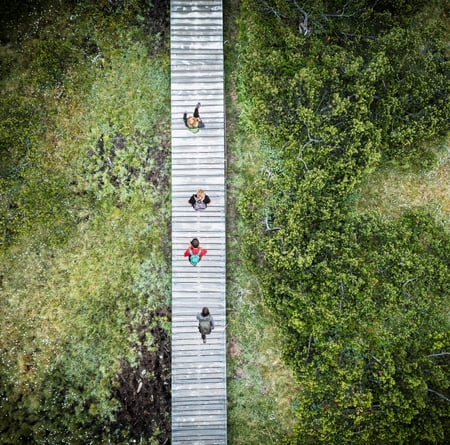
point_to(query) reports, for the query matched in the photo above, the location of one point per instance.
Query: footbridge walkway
(199, 413)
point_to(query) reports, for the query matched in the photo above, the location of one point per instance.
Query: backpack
(194, 258)
(199, 205)
(204, 327)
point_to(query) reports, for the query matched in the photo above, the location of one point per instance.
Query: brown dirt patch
(143, 390)
(234, 349)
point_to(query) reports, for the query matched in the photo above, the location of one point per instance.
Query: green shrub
(51, 60)
(357, 295)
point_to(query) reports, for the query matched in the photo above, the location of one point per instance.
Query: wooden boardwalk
(199, 399)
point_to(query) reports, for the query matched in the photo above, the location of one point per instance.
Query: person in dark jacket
(199, 200)
(205, 323)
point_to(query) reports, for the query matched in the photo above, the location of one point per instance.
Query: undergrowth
(260, 388)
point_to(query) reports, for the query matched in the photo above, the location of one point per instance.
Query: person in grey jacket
(205, 323)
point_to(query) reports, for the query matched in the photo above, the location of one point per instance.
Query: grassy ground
(393, 190)
(261, 389)
(85, 253)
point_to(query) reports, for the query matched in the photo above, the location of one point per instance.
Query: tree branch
(342, 13)
(269, 173)
(378, 361)
(304, 163)
(268, 228)
(310, 141)
(440, 354)
(271, 9)
(341, 286)
(438, 394)
(406, 283)
(309, 347)
(303, 24)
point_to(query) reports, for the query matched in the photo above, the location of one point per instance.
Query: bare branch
(342, 13)
(303, 23)
(440, 354)
(271, 9)
(438, 394)
(310, 141)
(269, 173)
(350, 35)
(304, 163)
(406, 283)
(309, 347)
(268, 228)
(378, 361)
(341, 286)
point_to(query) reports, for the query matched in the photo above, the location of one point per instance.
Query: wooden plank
(197, 22)
(185, 45)
(195, 55)
(195, 3)
(189, 34)
(189, 85)
(195, 7)
(189, 70)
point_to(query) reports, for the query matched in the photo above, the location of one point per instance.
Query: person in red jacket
(195, 252)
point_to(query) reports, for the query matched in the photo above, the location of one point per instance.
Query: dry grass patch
(394, 191)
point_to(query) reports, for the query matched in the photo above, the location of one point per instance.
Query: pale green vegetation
(85, 254)
(261, 389)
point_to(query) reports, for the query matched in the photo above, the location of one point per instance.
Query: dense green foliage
(84, 261)
(331, 90)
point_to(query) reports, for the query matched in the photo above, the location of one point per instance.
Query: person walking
(205, 323)
(199, 200)
(194, 252)
(194, 123)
